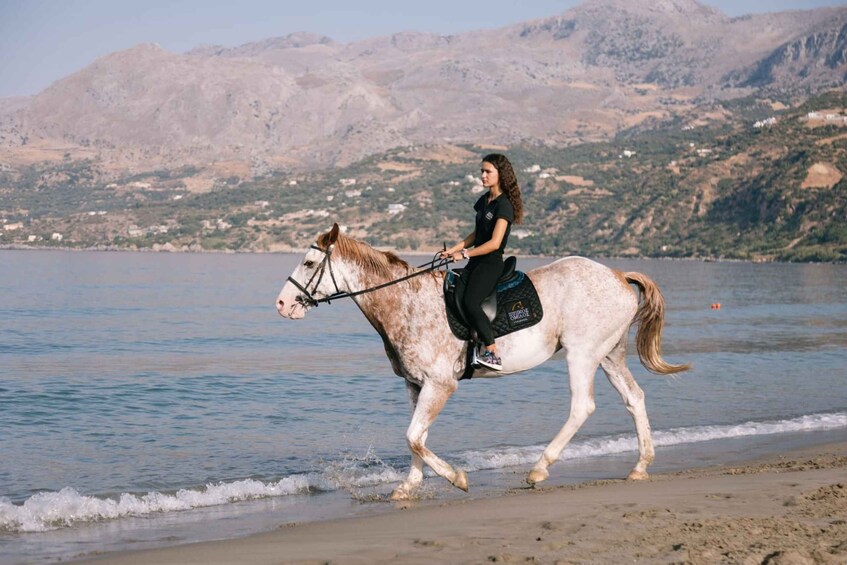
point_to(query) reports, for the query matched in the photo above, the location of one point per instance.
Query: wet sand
(788, 509)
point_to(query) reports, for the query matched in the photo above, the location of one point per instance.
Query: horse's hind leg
(581, 371)
(430, 400)
(614, 365)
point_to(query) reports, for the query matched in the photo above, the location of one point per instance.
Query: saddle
(514, 304)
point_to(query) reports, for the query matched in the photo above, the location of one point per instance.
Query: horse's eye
(309, 264)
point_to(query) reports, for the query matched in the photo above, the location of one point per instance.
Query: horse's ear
(333, 234)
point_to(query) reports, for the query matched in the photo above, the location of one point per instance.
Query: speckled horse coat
(588, 309)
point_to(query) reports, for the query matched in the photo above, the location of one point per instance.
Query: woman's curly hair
(508, 182)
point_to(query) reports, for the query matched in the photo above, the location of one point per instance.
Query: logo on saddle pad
(518, 313)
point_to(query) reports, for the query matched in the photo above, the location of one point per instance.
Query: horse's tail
(651, 319)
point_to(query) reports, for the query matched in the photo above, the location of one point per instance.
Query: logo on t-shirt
(489, 215)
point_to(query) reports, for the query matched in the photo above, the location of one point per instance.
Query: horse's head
(312, 280)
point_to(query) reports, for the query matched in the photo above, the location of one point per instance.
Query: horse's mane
(380, 263)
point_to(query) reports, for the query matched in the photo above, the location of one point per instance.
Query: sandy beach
(788, 509)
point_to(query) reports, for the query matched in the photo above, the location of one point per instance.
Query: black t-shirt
(486, 217)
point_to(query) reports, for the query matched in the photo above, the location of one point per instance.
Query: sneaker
(490, 360)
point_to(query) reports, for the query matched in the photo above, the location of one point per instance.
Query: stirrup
(475, 354)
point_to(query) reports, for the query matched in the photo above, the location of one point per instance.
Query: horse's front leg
(431, 398)
(407, 489)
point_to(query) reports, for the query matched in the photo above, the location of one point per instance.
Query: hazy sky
(44, 40)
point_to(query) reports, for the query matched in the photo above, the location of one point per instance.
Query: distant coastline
(415, 253)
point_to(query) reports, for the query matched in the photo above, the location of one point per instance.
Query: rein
(308, 297)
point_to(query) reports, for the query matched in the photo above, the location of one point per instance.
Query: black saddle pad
(518, 307)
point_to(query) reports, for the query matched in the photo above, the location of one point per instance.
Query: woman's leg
(481, 283)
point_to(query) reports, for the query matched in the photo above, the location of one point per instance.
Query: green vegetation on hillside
(723, 190)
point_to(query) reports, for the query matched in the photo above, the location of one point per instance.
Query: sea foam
(610, 445)
(50, 510)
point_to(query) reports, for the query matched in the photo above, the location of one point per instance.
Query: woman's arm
(465, 243)
(492, 244)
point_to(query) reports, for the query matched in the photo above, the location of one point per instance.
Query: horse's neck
(384, 307)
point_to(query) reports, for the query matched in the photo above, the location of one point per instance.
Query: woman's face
(490, 175)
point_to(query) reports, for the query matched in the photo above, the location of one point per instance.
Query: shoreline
(788, 508)
(23, 247)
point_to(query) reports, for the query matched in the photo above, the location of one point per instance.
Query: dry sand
(783, 510)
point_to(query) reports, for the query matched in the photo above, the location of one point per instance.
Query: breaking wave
(50, 510)
(610, 445)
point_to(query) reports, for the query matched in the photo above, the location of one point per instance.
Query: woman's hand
(452, 255)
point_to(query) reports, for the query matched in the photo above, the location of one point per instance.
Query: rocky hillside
(811, 60)
(304, 102)
(750, 182)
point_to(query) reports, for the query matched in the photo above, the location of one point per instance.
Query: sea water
(152, 399)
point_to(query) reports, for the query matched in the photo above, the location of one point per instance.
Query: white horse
(588, 309)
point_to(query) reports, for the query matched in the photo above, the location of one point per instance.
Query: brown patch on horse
(383, 264)
(377, 262)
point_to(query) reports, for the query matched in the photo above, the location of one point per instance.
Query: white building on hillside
(394, 209)
(762, 123)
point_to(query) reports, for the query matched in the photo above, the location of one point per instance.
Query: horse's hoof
(636, 475)
(402, 492)
(537, 476)
(461, 480)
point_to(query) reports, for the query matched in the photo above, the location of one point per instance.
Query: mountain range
(304, 102)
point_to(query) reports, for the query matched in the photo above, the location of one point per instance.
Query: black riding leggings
(482, 280)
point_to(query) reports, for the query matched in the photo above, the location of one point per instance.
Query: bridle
(308, 297)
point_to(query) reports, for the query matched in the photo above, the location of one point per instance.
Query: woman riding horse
(496, 210)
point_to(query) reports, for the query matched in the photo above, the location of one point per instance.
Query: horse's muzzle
(293, 311)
